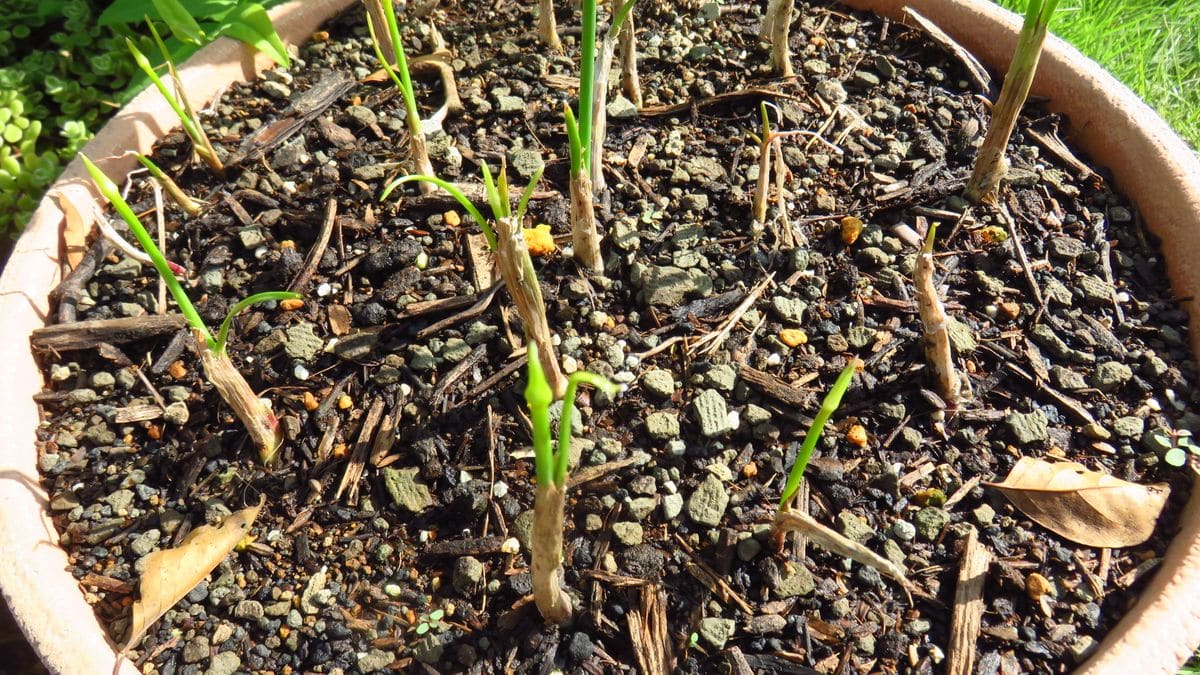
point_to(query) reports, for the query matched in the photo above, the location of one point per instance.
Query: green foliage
(549, 464)
(497, 195)
(197, 22)
(110, 191)
(58, 84)
(399, 74)
(830, 405)
(1153, 46)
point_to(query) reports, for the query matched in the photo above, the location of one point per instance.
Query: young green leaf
(181, 22)
(832, 400)
(223, 333)
(113, 194)
(251, 24)
(538, 398)
(563, 457)
(528, 193)
(454, 192)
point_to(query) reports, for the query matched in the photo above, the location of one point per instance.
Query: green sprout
(110, 191)
(512, 256)
(172, 188)
(400, 76)
(431, 622)
(178, 101)
(254, 414)
(496, 191)
(991, 165)
(828, 406)
(551, 463)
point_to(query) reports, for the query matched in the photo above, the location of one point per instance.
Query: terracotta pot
(1154, 167)
(34, 578)
(1149, 162)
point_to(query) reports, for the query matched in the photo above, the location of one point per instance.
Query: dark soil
(343, 585)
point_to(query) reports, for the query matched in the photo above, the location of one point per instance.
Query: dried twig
(974, 68)
(317, 251)
(791, 521)
(968, 606)
(935, 326)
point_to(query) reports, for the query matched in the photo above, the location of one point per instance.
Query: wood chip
(968, 606)
(88, 334)
(778, 389)
(358, 458)
(138, 413)
(974, 68)
(648, 632)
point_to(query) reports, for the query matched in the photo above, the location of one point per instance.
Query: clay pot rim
(1149, 162)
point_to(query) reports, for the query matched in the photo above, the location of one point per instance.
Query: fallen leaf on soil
(1085, 506)
(171, 574)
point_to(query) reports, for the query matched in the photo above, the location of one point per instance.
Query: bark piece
(968, 606)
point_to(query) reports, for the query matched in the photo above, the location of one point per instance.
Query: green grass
(1153, 46)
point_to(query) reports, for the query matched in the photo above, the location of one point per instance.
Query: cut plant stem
(828, 406)
(550, 467)
(595, 153)
(504, 236)
(178, 103)
(192, 206)
(253, 412)
(777, 26)
(377, 18)
(547, 26)
(403, 80)
(520, 277)
(585, 238)
(631, 83)
(934, 325)
(762, 188)
(991, 165)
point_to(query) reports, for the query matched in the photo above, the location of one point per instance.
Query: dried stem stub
(991, 165)
(420, 158)
(259, 420)
(600, 115)
(516, 268)
(585, 238)
(780, 24)
(631, 83)
(547, 26)
(935, 326)
(546, 571)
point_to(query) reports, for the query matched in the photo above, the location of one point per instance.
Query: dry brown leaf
(76, 222)
(173, 573)
(1085, 506)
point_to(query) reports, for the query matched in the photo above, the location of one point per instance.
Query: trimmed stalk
(377, 18)
(766, 140)
(546, 572)
(934, 326)
(600, 96)
(631, 83)
(551, 466)
(516, 268)
(504, 236)
(258, 419)
(780, 25)
(547, 26)
(991, 165)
